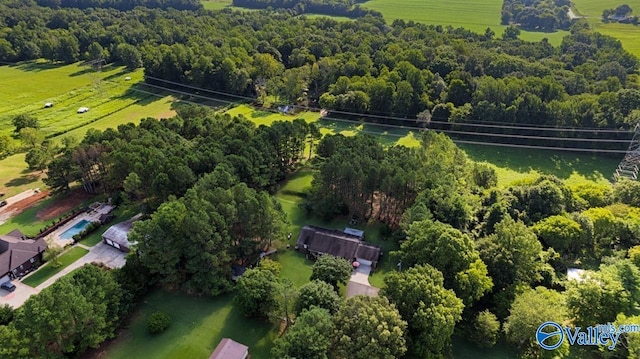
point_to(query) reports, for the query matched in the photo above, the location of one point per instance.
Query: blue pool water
(77, 228)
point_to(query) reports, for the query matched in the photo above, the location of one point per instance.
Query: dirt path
(20, 202)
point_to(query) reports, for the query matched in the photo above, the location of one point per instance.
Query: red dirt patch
(62, 205)
(17, 207)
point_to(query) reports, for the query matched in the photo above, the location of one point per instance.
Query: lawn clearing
(295, 266)
(215, 4)
(264, 117)
(628, 34)
(15, 177)
(27, 221)
(197, 326)
(472, 15)
(514, 164)
(48, 270)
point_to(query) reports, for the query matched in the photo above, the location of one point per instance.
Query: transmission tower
(628, 167)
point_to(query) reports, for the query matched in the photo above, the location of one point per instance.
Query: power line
(572, 149)
(386, 117)
(407, 128)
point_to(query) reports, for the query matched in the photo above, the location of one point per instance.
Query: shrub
(158, 322)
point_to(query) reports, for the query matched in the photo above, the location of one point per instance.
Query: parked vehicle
(8, 286)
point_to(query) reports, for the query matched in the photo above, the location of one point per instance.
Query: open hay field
(215, 4)
(628, 34)
(111, 98)
(469, 14)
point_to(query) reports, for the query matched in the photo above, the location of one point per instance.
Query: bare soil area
(63, 205)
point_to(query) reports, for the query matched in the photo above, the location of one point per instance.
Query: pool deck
(91, 217)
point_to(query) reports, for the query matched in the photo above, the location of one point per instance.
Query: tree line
(122, 4)
(537, 15)
(347, 8)
(418, 74)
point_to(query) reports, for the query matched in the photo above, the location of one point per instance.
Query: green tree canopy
(320, 294)
(431, 311)
(530, 309)
(256, 293)
(310, 337)
(24, 121)
(332, 270)
(369, 327)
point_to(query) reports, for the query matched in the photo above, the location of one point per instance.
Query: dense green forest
(401, 73)
(347, 8)
(537, 15)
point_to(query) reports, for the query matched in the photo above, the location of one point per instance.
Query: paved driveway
(359, 283)
(18, 296)
(101, 253)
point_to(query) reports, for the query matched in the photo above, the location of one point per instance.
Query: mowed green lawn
(628, 34)
(49, 270)
(470, 14)
(197, 326)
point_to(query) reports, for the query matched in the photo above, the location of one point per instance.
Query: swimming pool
(77, 228)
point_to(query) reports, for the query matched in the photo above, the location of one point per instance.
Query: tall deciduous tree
(530, 309)
(319, 294)
(452, 253)
(512, 254)
(332, 270)
(369, 327)
(77, 312)
(24, 121)
(310, 337)
(431, 311)
(256, 293)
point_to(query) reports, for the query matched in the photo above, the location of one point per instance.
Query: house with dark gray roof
(316, 241)
(19, 255)
(118, 235)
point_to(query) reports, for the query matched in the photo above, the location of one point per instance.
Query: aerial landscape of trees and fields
(319, 179)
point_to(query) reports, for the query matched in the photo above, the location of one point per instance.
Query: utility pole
(630, 164)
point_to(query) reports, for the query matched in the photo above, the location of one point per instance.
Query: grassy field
(197, 326)
(111, 98)
(215, 4)
(26, 221)
(628, 34)
(16, 178)
(48, 270)
(513, 164)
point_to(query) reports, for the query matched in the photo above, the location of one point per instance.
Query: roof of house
(355, 232)
(337, 243)
(229, 349)
(14, 250)
(119, 232)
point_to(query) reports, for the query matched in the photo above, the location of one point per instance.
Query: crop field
(628, 34)
(111, 98)
(470, 14)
